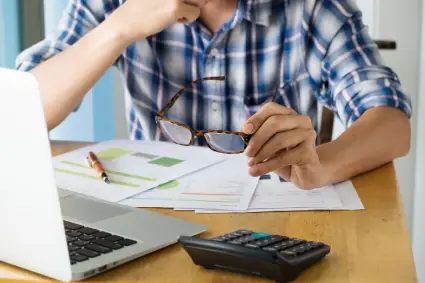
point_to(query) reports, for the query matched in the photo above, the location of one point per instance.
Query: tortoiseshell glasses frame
(196, 133)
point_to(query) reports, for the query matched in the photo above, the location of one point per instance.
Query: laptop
(54, 232)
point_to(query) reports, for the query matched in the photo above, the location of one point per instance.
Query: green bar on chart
(112, 153)
(166, 161)
(168, 186)
(95, 178)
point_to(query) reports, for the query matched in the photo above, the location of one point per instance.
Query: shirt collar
(258, 11)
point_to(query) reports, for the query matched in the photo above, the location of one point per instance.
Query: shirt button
(214, 106)
(214, 52)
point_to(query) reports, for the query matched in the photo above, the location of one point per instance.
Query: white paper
(345, 191)
(275, 193)
(348, 195)
(162, 196)
(132, 167)
(226, 185)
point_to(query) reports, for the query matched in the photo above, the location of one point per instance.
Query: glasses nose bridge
(199, 134)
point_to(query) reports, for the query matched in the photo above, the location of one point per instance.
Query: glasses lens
(176, 133)
(227, 143)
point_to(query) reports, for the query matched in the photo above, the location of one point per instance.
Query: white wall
(401, 20)
(121, 131)
(419, 192)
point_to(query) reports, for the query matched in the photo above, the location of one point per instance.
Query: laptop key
(72, 226)
(97, 248)
(79, 257)
(73, 262)
(73, 233)
(81, 243)
(126, 242)
(88, 252)
(87, 237)
(70, 239)
(107, 244)
(88, 231)
(101, 235)
(114, 238)
(72, 248)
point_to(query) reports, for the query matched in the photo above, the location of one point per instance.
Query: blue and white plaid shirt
(313, 50)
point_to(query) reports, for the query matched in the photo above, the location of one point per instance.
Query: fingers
(296, 156)
(197, 3)
(270, 109)
(282, 141)
(187, 13)
(273, 125)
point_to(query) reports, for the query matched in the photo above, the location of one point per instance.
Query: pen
(95, 163)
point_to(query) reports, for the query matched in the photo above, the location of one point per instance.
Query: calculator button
(284, 245)
(317, 244)
(300, 249)
(298, 241)
(308, 247)
(270, 240)
(252, 245)
(241, 233)
(219, 239)
(228, 237)
(235, 242)
(260, 235)
(288, 253)
(270, 249)
(248, 239)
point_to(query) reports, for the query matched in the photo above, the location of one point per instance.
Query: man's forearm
(381, 135)
(67, 77)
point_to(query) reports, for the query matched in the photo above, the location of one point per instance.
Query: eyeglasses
(227, 142)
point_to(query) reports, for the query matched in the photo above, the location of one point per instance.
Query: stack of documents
(132, 166)
(165, 175)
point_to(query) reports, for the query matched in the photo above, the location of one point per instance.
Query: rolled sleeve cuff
(382, 92)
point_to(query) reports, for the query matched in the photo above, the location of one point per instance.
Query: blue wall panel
(94, 119)
(9, 33)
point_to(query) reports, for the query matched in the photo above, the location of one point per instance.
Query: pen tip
(107, 181)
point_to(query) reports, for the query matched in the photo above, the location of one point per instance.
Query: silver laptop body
(32, 209)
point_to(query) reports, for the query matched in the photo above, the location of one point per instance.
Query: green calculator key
(260, 235)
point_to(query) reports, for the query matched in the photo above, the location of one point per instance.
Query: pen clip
(88, 162)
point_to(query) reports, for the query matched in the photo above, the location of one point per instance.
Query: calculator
(276, 257)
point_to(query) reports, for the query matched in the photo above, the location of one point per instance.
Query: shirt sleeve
(77, 20)
(353, 72)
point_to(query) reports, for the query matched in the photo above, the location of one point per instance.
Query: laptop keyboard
(85, 242)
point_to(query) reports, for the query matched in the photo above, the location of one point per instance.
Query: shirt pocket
(254, 101)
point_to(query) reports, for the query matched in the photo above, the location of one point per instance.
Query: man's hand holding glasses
(285, 143)
(276, 139)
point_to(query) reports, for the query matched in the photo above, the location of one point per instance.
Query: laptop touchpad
(89, 211)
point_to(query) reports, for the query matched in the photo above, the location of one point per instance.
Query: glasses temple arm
(177, 95)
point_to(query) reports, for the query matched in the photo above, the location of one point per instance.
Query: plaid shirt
(309, 50)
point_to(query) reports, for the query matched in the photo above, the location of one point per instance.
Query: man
(306, 50)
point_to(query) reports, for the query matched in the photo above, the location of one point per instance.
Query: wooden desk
(366, 246)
